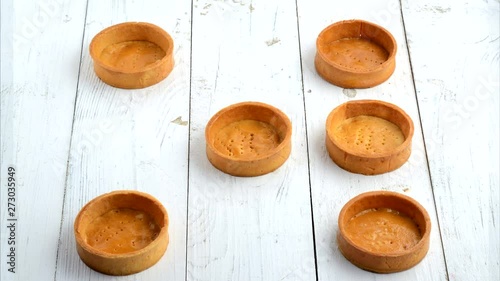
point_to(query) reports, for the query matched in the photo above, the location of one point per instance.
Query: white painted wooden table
(71, 137)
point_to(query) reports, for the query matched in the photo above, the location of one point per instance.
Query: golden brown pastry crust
(355, 156)
(382, 230)
(248, 139)
(369, 134)
(126, 246)
(355, 54)
(382, 261)
(132, 55)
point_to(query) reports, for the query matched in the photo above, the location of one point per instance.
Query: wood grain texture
(72, 137)
(256, 228)
(131, 139)
(332, 187)
(455, 58)
(37, 100)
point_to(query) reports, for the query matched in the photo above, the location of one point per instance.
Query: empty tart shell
(355, 54)
(248, 139)
(122, 232)
(383, 231)
(369, 136)
(132, 55)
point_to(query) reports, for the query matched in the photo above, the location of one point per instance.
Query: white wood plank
(455, 55)
(332, 187)
(126, 139)
(256, 228)
(40, 44)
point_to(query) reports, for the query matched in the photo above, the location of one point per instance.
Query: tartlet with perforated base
(369, 136)
(132, 55)
(248, 139)
(121, 232)
(355, 54)
(383, 231)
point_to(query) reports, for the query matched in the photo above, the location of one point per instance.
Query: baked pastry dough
(248, 139)
(132, 55)
(369, 136)
(355, 54)
(383, 231)
(121, 232)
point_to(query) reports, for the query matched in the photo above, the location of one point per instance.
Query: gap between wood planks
(423, 138)
(70, 142)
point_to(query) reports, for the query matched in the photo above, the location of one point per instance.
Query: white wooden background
(72, 137)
